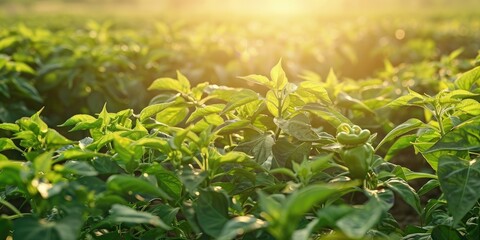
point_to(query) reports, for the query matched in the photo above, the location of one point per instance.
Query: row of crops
(230, 130)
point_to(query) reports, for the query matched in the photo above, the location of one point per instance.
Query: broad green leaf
(166, 84)
(468, 106)
(468, 80)
(5, 227)
(427, 187)
(407, 126)
(192, 178)
(233, 125)
(121, 214)
(347, 101)
(299, 127)
(211, 210)
(258, 79)
(154, 109)
(43, 163)
(184, 82)
(278, 76)
(260, 147)
(167, 180)
(239, 226)
(405, 191)
(407, 100)
(9, 127)
(78, 119)
(154, 143)
(441, 232)
(130, 185)
(302, 201)
(357, 223)
(7, 144)
(313, 91)
(286, 152)
(400, 144)
(66, 228)
(329, 114)
(204, 111)
(465, 136)
(84, 125)
(79, 154)
(54, 138)
(172, 115)
(234, 157)
(460, 181)
(273, 103)
(79, 168)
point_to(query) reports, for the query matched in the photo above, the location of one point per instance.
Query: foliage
(209, 161)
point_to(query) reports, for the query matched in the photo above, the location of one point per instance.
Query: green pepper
(357, 159)
(352, 135)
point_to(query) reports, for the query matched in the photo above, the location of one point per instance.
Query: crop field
(212, 119)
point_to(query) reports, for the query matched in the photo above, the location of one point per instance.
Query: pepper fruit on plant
(356, 151)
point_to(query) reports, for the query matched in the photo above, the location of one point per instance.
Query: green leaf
(79, 118)
(166, 84)
(154, 109)
(5, 227)
(468, 80)
(204, 111)
(406, 192)
(407, 126)
(184, 82)
(27, 89)
(427, 187)
(329, 114)
(192, 178)
(258, 79)
(442, 232)
(10, 127)
(465, 136)
(211, 210)
(234, 157)
(460, 181)
(357, 223)
(285, 152)
(121, 214)
(468, 106)
(129, 185)
(313, 91)
(239, 226)
(66, 228)
(273, 103)
(278, 76)
(299, 127)
(172, 115)
(168, 181)
(43, 162)
(7, 144)
(260, 147)
(400, 144)
(54, 138)
(79, 168)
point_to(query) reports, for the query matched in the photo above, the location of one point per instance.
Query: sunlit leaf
(130, 185)
(468, 80)
(125, 215)
(407, 126)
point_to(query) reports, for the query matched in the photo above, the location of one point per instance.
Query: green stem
(440, 123)
(11, 207)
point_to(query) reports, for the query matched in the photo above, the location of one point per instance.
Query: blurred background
(72, 56)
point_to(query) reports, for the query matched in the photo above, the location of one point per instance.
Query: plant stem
(11, 207)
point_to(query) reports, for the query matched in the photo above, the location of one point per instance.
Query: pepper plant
(216, 162)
